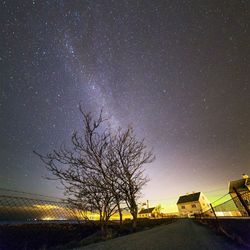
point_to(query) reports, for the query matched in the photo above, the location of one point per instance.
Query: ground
(183, 234)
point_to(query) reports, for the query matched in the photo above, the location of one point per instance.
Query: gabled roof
(147, 210)
(240, 185)
(189, 198)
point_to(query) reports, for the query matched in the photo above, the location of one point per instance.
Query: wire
(22, 192)
(172, 197)
(220, 198)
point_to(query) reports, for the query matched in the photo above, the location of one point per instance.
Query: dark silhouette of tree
(82, 169)
(131, 155)
(102, 168)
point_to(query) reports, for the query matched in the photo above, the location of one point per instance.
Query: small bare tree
(82, 170)
(131, 155)
(157, 211)
(93, 195)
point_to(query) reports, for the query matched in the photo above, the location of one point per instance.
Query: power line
(220, 198)
(205, 192)
(215, 190)
(152, 200)
(22, 192)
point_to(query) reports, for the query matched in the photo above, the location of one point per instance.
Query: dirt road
(183, 234)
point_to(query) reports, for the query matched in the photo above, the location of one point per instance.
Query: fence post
(242, 201)
(217, 222)
(213, 211)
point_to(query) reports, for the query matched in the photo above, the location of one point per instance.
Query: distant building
(242, 186)
(147, 213)
(191, 204)
(170, 215)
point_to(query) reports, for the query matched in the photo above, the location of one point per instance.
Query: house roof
(189, 198)
(147, 210)
(240, 185)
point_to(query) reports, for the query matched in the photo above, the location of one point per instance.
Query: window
(183, 207)
(193, 205)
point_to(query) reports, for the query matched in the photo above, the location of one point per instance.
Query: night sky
(178, 71)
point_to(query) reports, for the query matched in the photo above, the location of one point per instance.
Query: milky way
(178, 71)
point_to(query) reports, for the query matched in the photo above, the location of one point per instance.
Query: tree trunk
(102, 226)
(120, 213)
(134, 214)
(104, 229)
(100, 214)
(134, 225)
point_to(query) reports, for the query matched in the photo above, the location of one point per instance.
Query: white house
(194, 203)
(147, 213)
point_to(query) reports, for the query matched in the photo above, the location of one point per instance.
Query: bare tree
(157, 211)
(102, 169)
(131, 155)
(93, 195)
(82, 170)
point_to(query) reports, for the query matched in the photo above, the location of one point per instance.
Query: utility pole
(147, 208)
(216, 219)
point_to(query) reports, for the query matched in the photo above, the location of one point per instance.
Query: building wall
(204, 203)
(194, 207)
(189, 208)
(147, 215)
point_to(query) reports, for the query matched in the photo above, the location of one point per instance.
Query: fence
(22, 209)
(30, 221)
(229, 215)
(229, 206)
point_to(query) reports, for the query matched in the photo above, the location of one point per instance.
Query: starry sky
(178, 71)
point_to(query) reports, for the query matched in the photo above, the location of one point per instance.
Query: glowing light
(47, 206)
(48, 218)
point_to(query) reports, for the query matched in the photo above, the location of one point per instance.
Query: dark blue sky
(177, 70)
